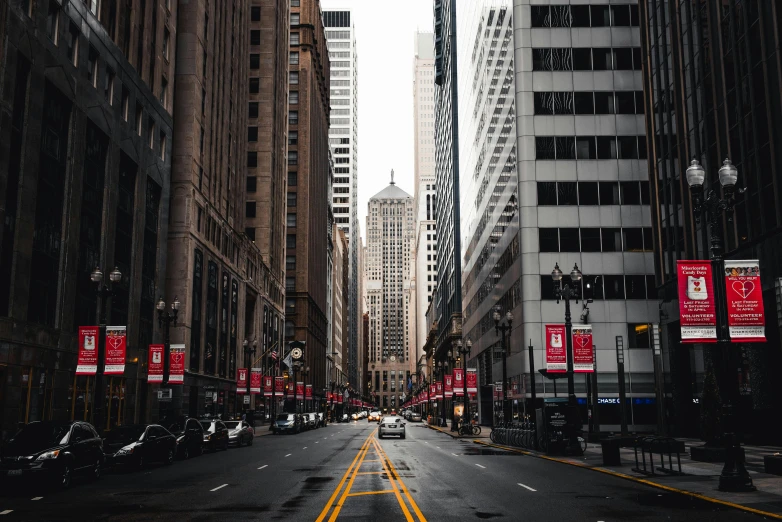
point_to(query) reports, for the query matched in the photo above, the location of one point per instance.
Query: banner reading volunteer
(116, 347)
(300, 390)
(472, 380)
(255, 380)
(176, 366)
(432, 391)
(746, 316)
(241, 381)
(582, 348)
(458, 382)
(556, 350)
(88, 350)
(696, 302)
(155, 364)
(267, 386)
(448, 386)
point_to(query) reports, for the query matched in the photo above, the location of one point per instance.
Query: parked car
(373, 416)
(344, 418)
(322, 420)
(53, 451)
(414, 417)
(189, 437)
(312, 421)
(391, 425)
(286, 423)
(215, 435)
(240, 433)
(135, 445)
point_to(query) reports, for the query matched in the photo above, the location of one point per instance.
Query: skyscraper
(390, 236)
(343, 140)
(424, 278)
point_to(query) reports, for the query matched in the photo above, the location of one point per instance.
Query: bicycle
(469, 429)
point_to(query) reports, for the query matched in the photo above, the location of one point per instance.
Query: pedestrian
(244, 417)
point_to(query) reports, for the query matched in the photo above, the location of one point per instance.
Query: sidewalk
(484, 436)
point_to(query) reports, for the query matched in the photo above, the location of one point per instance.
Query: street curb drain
(640, 481)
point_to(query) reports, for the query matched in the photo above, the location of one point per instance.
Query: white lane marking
(426, 442)
(454, 454)
(7, 511)
(484, 467)
(265, 465)
(218, 487)
(526, 487)
(36, 498)
(289, 454)
(305, 447)
(317, 441)
(438, 447)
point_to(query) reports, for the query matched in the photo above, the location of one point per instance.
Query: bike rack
(661, 446)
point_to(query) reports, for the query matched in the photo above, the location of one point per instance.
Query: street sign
(165, 394)
(247, 399)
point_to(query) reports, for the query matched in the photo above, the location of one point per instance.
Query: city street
(343, 471)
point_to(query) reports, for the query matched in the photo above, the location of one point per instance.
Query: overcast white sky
(385, 31)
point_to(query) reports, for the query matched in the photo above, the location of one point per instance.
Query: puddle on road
(486, 451)
(483, 514)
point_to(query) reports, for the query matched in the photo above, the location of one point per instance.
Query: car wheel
(170, 458)
(200, 450)
(225, 445)
(65, 476)
(96, 470)
(402, 436)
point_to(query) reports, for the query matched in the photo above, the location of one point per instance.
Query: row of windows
(607, 286)
(593, 239)
(586, 59)
(584, 16)
(621, 102)
(593, 193)
(590, 147)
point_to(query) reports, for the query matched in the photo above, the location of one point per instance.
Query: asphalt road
(343, 471)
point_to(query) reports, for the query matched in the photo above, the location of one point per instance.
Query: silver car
(391, 425)
(415, 417)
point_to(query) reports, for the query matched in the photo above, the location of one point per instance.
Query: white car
(391, 425)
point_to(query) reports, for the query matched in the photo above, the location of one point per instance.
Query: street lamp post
(464, 350)
(734, 476)
(248, 355)
(165, 320)
(566, 292)
(620, 368)
(304, 374)
(104, 293)
(504, 325)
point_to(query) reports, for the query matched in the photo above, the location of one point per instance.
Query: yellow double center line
(398, 487)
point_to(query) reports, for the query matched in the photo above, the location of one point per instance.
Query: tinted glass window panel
(612, 239)
(563, 103)
(540, 16)
(549, 239)
(584, 103)
(541, 59)
(586, 148)
(644, 192)
(579, 15)
(609, 193)
(590, 240)
(569, 240)
(620, 15)
(648, 240)
(566, 147)
(606, 147)
(633, 239)
(641, 147)
(651, 287)
(547, 288)
(560, 16)
(593, 287)
(587, 193)
(601, 59)
(625, 102)
(637, 60)
(639, 102)
(614, 287)
(604, 103)
(635, 286)
(631, 193)
(547, 193)
(544, 103)
(567, 193)
(544, 148)
(582, 59)
(601, 16)
(628, 147)
(623, 59)
(634, 15)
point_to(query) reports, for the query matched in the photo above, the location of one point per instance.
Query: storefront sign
(155, 363)
(448, 386)
(458, 382)
(88, 350)
(583, 356)
(176, 367)
(472, 380)
(309, 391)
(746, 316)
(241, 380)
(556, 350)
(696, 302)
(267, 385)
(116, 347)
(255, 380)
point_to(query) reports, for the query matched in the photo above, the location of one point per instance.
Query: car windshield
(232, 425)
(208, 426)
(126, 434)
(38, 436)
(284, 417)
(375, 413)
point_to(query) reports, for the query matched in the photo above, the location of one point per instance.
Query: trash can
(610, 449)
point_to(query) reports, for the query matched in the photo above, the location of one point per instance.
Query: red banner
(696, 302)
(556, 349)
(267, 385)
(438, 390)
(255, 380)
(458, 382)
(582, 348)
(309, 391)
(448, 386)
(432, 391)
(472, 380)
(497, 391)
(116, 347)
(88, 350)
(176, 365)
(279, 385)
(339, 398)
(155, 363)
(746, 316)
(241, 381)
(299, 390)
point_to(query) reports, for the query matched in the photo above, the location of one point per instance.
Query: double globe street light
(464, 349)
(104, 292)
(505, 326)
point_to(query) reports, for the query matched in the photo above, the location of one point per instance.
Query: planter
(707, 453)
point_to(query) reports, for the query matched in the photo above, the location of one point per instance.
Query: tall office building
(86, 128)
(390, 236)
(343, 140)
(582, 191)
(424, 278)
(307, 216)
(339, 316)
(712, 92)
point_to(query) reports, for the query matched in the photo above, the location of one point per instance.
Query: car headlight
(125, 451)
(207, 437)
(49, 455)
(180, 438)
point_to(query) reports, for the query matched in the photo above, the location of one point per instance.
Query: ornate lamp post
(464, 350)
(566, 292)
(165, 320)
(304, 374)
(104, 293)
(734, 476)
(504, 326)
(248, 355)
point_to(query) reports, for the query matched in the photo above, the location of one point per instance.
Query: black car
(137, 444)
(215, 435)
(240, 432)
(52, 451)
(189, 436)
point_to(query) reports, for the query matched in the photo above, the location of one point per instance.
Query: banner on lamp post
(438, 390)
(88, 350)
(255, 380)
(155, 363)
(176, 366)
(300, 390)
(472, 380)
(279, 385)
(432, 392)
(309, 391)
(746, 315)
(582, 348)
(267, 385)
(241, 381)
(696, 302)
(116, 348)
(556, 350)
(448, 386)
(458, 382)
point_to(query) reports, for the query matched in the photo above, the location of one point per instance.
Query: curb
(442, 431)
(692, 494)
